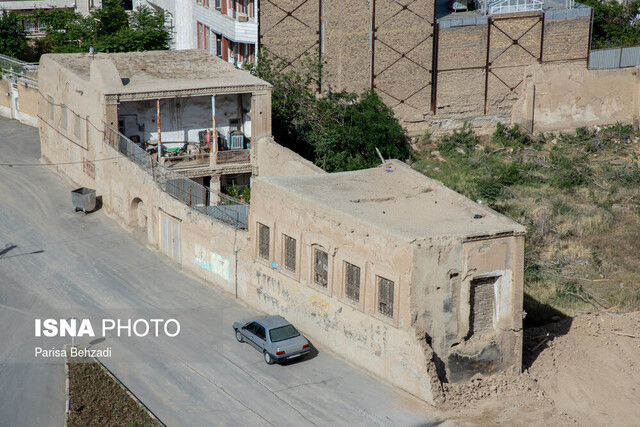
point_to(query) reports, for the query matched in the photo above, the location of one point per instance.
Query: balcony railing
(232, 157)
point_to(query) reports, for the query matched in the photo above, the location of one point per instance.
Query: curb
(67, 404)
(67, 410)
(126, 389)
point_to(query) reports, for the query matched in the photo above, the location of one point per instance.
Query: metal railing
(609, 59)
(19, 71)
(210, 202)
(13, 65)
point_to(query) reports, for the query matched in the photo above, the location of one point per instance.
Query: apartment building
(227, 28)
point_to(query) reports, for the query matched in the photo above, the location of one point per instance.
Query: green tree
(109, 29)
(614, 23)
(13, 40)
(337, 131)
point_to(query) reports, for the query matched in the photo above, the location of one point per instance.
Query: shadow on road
(11, 246)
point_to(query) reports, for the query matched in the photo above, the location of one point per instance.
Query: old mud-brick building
(400, 274)
(197, 113)
(386, 267)
(432, 61)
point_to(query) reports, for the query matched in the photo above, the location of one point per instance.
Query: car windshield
(283, 333)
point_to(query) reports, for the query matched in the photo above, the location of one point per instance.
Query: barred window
(289, 253)
(352, 281)
(320, 267)
(78, 127)
(385, 296)
(263, 241)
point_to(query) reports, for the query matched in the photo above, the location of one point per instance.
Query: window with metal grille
(263, 241)
(385, 296)
(352, 281)
(289, 253)
(320, 267)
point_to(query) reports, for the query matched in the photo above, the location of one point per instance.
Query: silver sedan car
(276, 338)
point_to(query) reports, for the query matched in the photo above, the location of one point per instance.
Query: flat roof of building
(399, 200)
(162, 70)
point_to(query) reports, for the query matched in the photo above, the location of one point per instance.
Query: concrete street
(57, 263)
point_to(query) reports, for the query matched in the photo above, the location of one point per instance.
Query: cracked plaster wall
(440, 304)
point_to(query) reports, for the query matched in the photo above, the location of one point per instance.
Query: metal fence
(217, 205)
(19, 71)
(620, 57)
(8, 64)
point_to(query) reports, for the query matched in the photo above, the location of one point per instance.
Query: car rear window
(283, 333)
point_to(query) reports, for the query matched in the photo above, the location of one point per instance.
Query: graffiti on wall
(212, 261)
(319, 305)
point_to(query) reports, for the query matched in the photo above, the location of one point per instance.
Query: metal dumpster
(84, 199)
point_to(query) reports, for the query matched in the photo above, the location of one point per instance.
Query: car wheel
(239, 336)
(267, 358)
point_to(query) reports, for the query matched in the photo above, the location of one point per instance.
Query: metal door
(170, 236)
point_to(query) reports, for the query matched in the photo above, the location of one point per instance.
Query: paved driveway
(56, 262)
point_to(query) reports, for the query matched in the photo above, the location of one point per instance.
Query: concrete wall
(566, 96)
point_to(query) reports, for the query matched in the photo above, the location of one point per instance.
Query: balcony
(232, 157)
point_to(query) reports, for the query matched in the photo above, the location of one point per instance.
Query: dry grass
(578, 195)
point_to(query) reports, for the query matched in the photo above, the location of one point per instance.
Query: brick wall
(566, 39)
(389, 45)
(515, 41)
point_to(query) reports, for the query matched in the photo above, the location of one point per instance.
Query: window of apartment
(65, 122)
(219, 46)
(320, 267)
(203, 36)
(78, 126)
(289, 253)
(218, 4)
(243, 6)
(352, 281)
(385, 296)
(263, 241)
(52, 107)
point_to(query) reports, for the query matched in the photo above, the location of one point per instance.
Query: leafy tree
(337, 131)
(615, 23)
(109, 29)
(13, 40)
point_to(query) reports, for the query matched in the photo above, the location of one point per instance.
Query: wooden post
(159, 135)
(214, 136)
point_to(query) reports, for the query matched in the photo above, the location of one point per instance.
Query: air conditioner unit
(237, 142)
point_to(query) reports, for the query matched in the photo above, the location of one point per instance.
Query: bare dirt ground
(582, 371)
